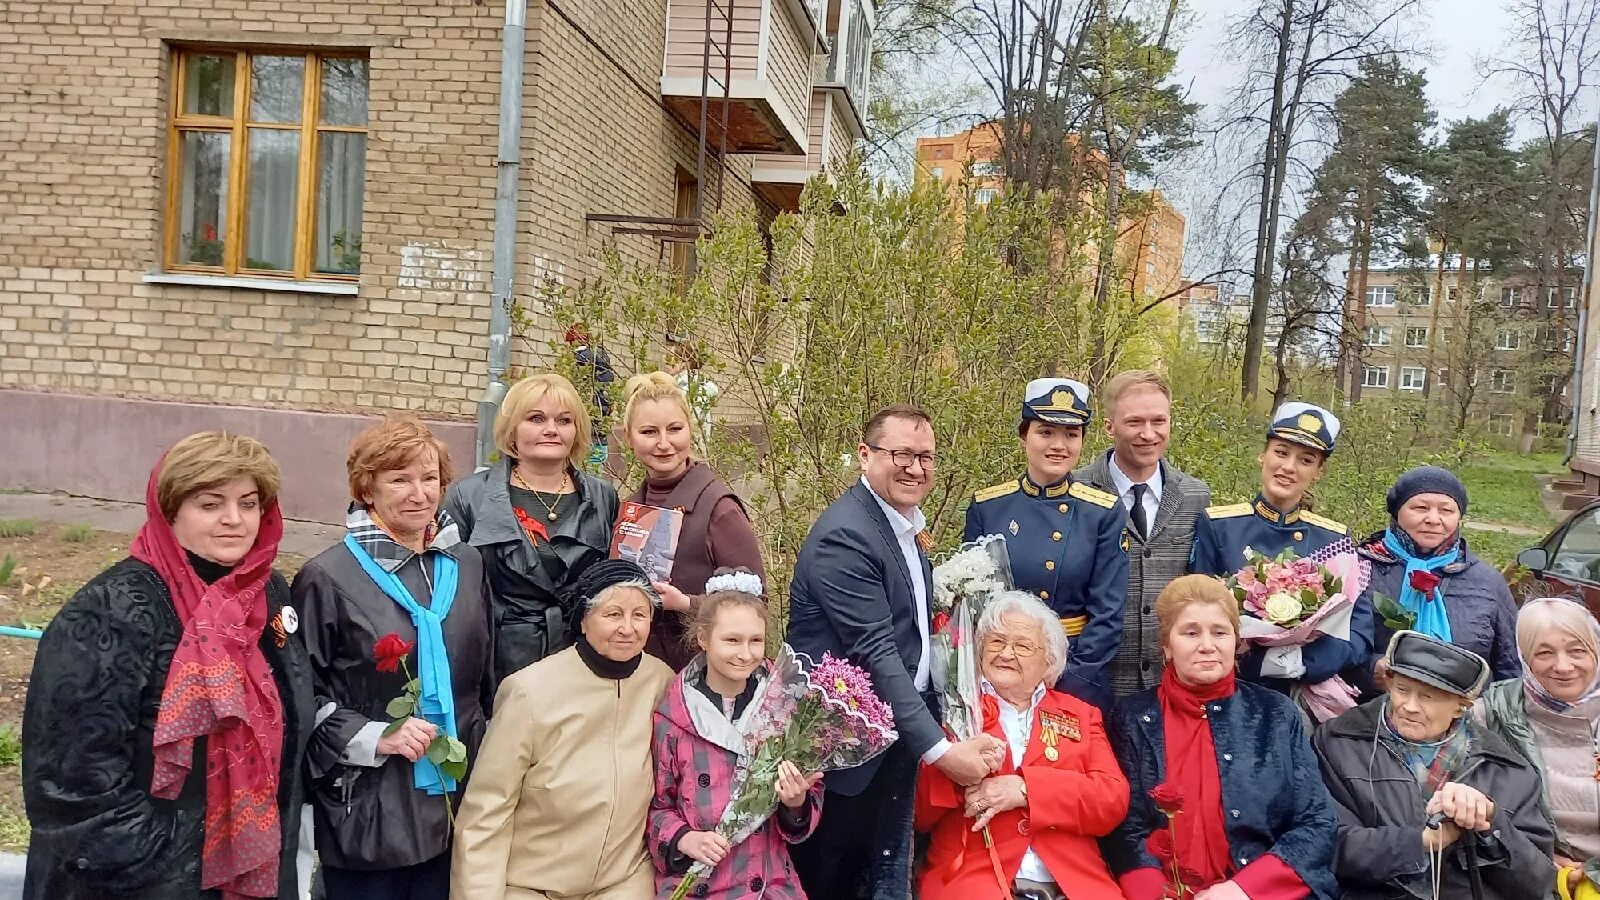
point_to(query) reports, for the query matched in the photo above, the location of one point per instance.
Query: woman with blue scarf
(1426, 579)
(402, 596)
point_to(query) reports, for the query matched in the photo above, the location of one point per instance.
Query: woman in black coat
(538, 520)
(401, 578)
(162, 754)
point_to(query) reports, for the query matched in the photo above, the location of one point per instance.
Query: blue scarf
(437, 703)
(1428, 608)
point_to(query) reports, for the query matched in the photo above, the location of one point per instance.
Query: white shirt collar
(1123, 483)
(985, 687)
(898, 523)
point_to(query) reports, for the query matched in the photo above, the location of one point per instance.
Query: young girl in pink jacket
(700, 730)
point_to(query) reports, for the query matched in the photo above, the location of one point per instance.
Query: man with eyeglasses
(1063, 536)
(860, 590)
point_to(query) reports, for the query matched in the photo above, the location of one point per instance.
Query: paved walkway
(299, 538)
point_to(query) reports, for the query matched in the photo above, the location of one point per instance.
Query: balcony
(769, 61)
(832, 133)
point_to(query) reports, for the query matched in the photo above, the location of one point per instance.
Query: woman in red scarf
(170, 703)
(1226, 793)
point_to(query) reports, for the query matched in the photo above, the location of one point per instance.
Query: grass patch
(14, 830)
(1499, 549)
(8, 567)
(1501, 487)
(17, 528)
(77, 534)
(10, 746)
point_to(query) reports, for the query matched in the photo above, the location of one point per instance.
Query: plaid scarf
(1432, 763)
(390, 554)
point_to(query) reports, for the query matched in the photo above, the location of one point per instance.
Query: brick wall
(85, 87)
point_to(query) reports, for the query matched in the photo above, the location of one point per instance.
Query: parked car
(1566, 563)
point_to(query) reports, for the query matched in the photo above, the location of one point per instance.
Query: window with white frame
(1381, 295)
(1450, 293)
(985, 196)
(1416, 336)
(986, 167)
(1508, 339)
(1553, 297)
(1443, 377)
(1445, 332)
(1378, 335)
(1375, 376)
(1500, 423)
(1502, 381)
(1510, 296)
(1412, 378)
(937, 172)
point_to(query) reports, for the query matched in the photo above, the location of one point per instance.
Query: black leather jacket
(531, 621)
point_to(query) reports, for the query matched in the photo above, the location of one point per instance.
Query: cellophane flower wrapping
(962, 585)
(1290, 601)
(822, 717)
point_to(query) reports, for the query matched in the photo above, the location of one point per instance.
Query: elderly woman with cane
(1430, 804)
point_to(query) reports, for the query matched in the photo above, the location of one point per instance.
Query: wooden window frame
(238, 128)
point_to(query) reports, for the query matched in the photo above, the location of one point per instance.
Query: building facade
(277, 216)
(1150, 239)
(1488, 352)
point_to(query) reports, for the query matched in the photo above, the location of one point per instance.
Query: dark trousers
(424, 881)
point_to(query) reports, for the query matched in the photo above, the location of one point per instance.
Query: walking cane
(1470, 845)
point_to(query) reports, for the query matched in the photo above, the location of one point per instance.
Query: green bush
(8, 567)
(17, 528)
(77, 534)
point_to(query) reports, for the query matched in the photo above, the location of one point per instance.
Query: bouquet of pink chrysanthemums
(820, 717)
(1291, 601)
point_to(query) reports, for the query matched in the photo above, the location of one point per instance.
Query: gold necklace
(549, 508)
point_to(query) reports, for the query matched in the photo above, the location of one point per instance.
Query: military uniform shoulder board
(1229, 511)
(999, 490)
(1326, 524)
(1093, 495)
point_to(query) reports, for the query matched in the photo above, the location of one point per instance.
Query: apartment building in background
(1149, 243)
(277, 216)
(1490, 348)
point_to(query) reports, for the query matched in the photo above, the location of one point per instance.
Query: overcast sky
(1457, 34)
(1460, 30)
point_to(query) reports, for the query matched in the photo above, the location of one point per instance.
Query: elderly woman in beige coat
(557, 804)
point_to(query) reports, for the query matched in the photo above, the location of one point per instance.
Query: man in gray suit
(1162, 504)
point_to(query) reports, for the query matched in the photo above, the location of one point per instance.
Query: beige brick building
(278, 215)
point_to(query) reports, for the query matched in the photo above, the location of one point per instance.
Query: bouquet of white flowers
(962, 585)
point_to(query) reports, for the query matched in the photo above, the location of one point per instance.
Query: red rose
(1168, 798)
(941, 621)
(1424, 581)
(1159, 845)
(389, 651)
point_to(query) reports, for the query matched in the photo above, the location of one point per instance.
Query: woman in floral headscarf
(1552, 716)
(170, 702)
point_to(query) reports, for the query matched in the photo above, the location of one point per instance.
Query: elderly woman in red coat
(1058, 789)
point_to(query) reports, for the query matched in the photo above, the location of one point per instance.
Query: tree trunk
(1273, 164)
(1433, 318)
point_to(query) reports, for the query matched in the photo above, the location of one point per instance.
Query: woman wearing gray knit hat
(1425, 578)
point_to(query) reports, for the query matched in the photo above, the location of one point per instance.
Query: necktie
(1141, 523)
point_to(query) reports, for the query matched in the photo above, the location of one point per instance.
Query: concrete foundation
(104, 447)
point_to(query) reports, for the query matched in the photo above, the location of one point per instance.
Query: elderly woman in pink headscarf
(1552, 716)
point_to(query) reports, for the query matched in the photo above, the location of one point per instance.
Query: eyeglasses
(904, 458)
(1022, 649)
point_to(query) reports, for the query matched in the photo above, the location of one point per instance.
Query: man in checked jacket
(1162, 506)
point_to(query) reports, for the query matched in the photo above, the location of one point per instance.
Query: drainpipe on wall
(509, 166)
(1581, 347)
